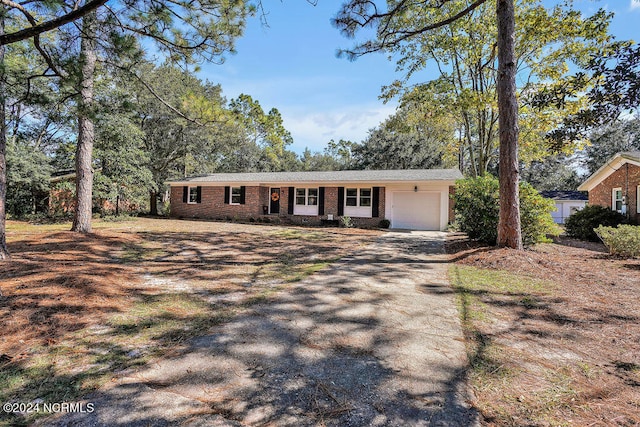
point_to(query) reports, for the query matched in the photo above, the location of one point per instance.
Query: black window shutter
(242, 193)
(227, 195)
(375, 202)
(292, 196)
(321, 201)
(340, 201)
(199, 194)
(185, 194)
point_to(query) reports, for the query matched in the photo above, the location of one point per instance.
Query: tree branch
(49, 25)
(350, 24)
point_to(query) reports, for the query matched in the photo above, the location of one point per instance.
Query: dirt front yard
(77, 311)
(553, 333)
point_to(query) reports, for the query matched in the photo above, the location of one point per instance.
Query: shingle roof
(633, 155)
(331, 176)
(565, 195)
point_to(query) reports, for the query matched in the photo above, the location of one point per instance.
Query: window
(306, 201)
(616, 199)
(358, 197)
(352, 197)
(365, 197)
(236, 195)
(358, 202)
(193, 195)
(306, 196)
(301, 196)
(312, 199)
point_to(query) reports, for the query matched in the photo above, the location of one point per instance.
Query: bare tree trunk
(153, 203)
(4, 252)
(86, 131)
(509, 232)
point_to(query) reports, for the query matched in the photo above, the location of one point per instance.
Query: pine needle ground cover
(553, 333)
(77, 311)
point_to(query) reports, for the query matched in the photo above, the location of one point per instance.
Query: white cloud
(315, 108)
(314, 129)
(635, 5)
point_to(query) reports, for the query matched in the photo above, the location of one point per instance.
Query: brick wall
(212, 206)
(602, 193)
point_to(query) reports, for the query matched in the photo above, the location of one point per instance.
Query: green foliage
(417, 136)
(28, 174)
(385, 223)
(623, 241)
(614, 137)
(477, 206)
(336, 156)
(548, 42)
(609, 82)
(556, 172)
(347, 222)
(385, 149)
(267, 131)
(535, 216)
(123, 178)
(581, 224)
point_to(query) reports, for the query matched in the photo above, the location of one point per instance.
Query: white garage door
(416, 211)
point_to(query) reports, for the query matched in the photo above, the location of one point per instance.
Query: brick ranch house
(616, 185)
(409, 199)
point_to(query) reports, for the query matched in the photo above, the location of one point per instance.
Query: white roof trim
(607, 169)
(308, 183)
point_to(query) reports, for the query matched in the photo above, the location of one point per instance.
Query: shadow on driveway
(374, 339)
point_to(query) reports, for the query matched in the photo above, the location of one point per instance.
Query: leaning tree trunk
(509, 232)
(86, 131)
(4, 252)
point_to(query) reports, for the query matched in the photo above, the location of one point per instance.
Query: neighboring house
(567, 203)
(62, 196)
(409, 199)
(61, 193)
(617, 185)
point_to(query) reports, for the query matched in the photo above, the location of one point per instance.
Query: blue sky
(292, 65)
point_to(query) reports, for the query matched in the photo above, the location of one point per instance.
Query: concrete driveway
(374, 339)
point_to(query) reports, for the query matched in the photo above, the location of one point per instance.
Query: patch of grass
(487, 360)
(587, 370)
(27, 227)
(87, 359)
(289, 269)
(299, 234)
(140, 252)
(167, 318)
(477, 280)
(491, 363)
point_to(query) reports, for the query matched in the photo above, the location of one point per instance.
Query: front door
(274, 205)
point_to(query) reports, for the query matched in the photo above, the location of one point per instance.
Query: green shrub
(623, 241)
(535, 216)
(385, 223)
(347, 222)
(582, 224)
(477, 206)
